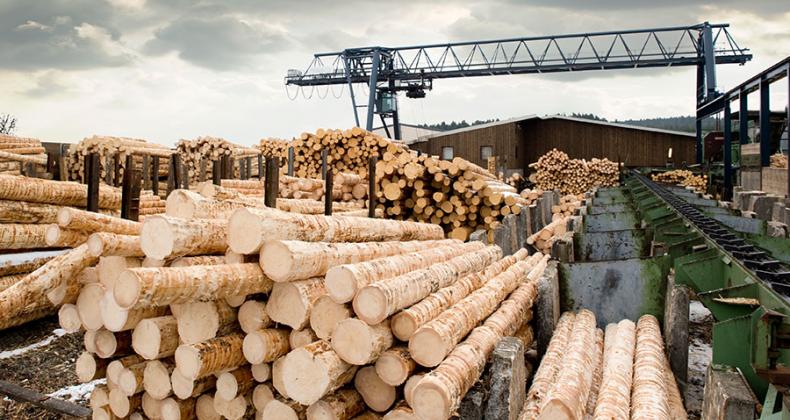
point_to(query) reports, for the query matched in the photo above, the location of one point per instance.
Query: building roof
(409, 132)
(423, 138)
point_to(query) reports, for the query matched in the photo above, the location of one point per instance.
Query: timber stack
(291, 316)
(684, 178)
(198, 154)
(347, 187)
(274, 147)
(15, 152)
(556, 171)
(621, 373)
(112, 151)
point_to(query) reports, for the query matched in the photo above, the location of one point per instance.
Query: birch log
(313, 371)
(614, 396)
(168, 237)
(194, 361)
(71, 218)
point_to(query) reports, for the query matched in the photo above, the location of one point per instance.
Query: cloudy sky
(169, 69)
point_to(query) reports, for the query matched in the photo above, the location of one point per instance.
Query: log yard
(355, 267)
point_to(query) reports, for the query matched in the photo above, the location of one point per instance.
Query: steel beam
(710, 60)
(743, 121)
(727, 152)
(374, 78)
(765, 123)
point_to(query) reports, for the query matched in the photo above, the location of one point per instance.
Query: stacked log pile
(347, 187)
(531, 195)
(111, 149)
(778, 160)
(682, 177)
(18, 151)
(198, 155)
(273, 147)
(586, 373)
(556, 171)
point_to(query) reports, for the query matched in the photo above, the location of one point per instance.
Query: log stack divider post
(372, 161)
(116, 170)
(146, 168)
(216, 175)
(174, 174)
(260, 166)
(248, 166)
(324, 154)
(130, 191)
(92, 170)
(328, 187)
(154, 174)
(271, 184)
(63, 172)
(183, 175)
(291, 161)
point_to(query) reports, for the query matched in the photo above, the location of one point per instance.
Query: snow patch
(21, 257)
(59, 332)
(79, 392)
(698, 313)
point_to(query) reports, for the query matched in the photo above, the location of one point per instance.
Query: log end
(106, 343)
(127, 289)
(69, 318)
(276, 260)
(204, 408)
(85, 367)
(95, 245)
(156, 380)
(431, 401)
(170, 409)
(261, 396)
(427, 348)
(244, 232)
(65, 214)
(278, 410)
(403, 326)
(227, 387)
(156, 237)
(555, 409)
(188, 361)
(305, 380)
(352, 341)
(113, 316)
(370, 305)
(127, 382)
(183, 386)
(341, 285)
(119, 403)
(146, 339)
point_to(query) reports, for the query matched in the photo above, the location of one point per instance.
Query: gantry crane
(387, 71)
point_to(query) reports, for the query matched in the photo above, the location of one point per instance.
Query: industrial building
(517, 142)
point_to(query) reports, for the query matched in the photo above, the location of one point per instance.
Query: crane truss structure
(412, 69)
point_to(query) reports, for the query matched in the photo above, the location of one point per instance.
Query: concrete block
(776, 229)
(727, 396)
(508, 380)
(562, 248)
(778, 212)
(763, 206)
(479, 235)
(523, 227)
(741, 199)
(511, 223)
(534, 218)
(547, 307)
(502, 239)
(676, 331)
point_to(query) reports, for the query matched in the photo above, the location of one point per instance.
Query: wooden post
(260, 166)
(291, 161)
(248, 166)
(116, 170)
(203, 170)
(108, 170)
(63, 173)
(174, 173)
(226, 167)
(146, 170)
(154, 175)
(372, 186)
(243, 169)
(323, 163)
(184, 176)
(216, 172)
(92, 179)
(52, 165)
(328, 181)
(130, 191)
(271, 185)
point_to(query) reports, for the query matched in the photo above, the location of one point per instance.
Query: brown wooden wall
(519, 143)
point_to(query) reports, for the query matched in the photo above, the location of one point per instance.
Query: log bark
(267, 345)
(407, 321)
(592, 398)
(113, 244)
(168, 237)
(313, 371)
(234, 383)
(54, 192)
(395, 365)
(167, 285)
(200, 359)
(614, 396)
(325, 316)
(649, 394)
(186, 204)
(28, 265)
(344, 404)
(198, 260)
(201, 321)
(184, 387)
(358, 343)
(75, 219)
(248, 229)
(438, 394)
(344, 281)
(20, 236)
(290, 303)
(58, 237)
(297, 260)
(378, 301)
(24, 212)
(155, 338)
(376, 393)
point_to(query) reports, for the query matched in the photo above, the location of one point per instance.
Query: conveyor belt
(763, 265)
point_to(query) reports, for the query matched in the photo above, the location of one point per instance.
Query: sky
(164, 70)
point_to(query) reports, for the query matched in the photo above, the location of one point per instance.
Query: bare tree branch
(7, 124)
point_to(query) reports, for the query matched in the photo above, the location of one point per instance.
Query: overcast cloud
(170, 69)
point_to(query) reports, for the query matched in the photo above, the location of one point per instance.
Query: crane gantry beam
(413, 68)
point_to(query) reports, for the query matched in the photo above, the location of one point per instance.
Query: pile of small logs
(779, 160)
(347, 187)
(18, 151)
(273, 147)
(621, 374)
(682, 177)
(112, 151)
(556, 171)
(288, 316)
(531, 195)
(198, 155)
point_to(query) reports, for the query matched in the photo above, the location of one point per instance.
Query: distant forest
(681, 123)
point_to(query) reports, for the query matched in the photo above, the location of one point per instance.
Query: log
(407, 321)
(249, 228)
(394, 366)
(649, 398)
(130, 381)
(262, 395)
(408, 388)
(402, 411)
(297, 260)
(376, 393)
(312, 371)
(325, 316)
(168, 285)
(283, 410)
(262, 372)
(10, 280)
(110, 268)
(26, 266)
(201, 321)
(189, 205)
(19, 236)
(433, 341)
(168, 237)
(204, 408)
(151, 406)
(184, 387)
(344, 281)
(75, 219)
(567, 398)
(116, 367)
(57, 237)
(122, 405)
(290, 303)
(197, 360)
(112, 244)
(37, 190)
(265, 345)
(236, 408)
(438, 394)
(344, 404)
(198, 260)
(177, 410)
(69, 318)
(592, 398)
(303, 337)
(376, 302)
(614, 396)
(252, 316)
(89, 368)
(109, 344)
(155, 338)
(24, 212)
(156, 379)
(234, 383)
(358, 343)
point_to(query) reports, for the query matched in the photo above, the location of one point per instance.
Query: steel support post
(727, 151)
(324, 164)
(710, 60)
(272, 183)
(216, 172)
(743, 117)
(154, 174)
(699, 141)
(374, 78)
(787, 126)
(92, 169)
(290, 161)
(765, 123)
(328, 184)
(351, 90)
(130, 191)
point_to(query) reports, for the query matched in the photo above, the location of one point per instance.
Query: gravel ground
(700, 355)
(45, 369)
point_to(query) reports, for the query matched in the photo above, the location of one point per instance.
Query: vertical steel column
(699, 141)
(710, 60)
(130, 191)
(216, 172)
(154, 174)
(395, 119)
(146, 170)
(765, 123)
(743, 121)
(92, 169)
(372, 186)
(328, 186)
(350, 90)
(260, 167)
(788, 130)
(374, 78)
(272, 183)
(727, 151)
(290, 161)
(324, 164)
